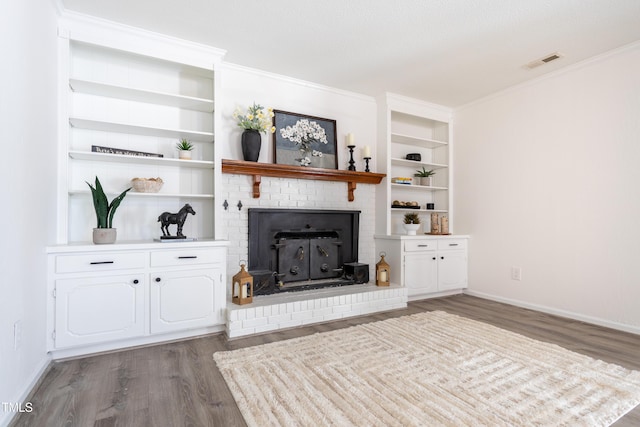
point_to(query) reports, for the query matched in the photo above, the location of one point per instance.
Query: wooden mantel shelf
(258, 170)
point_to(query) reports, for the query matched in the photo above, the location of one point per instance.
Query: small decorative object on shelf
(184, 149)
(147, 185)
(352, 163)
(405, 205)
(104, 233)
(411, 223)
(167, 218)
(242, 287)
(431, 206)
(254, 121)
(110, 150)
(424, 176)
(366, 155)
(416, 157)
(383, 271)
(444, 225)
(435, 226)
(405, 180)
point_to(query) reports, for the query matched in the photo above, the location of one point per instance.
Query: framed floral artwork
(303, 140)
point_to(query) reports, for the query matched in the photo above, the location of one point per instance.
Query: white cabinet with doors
(427, 266)
(123, 295)
(186, 289)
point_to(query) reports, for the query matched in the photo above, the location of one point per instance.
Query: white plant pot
(104, 236)
(425, 180)
(184, 154)
(411, 229)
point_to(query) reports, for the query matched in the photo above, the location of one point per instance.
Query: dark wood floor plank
(178, 384)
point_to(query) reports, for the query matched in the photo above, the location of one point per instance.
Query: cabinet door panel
(452, 270)
(420, 272)
(90, 310)
(184, 299)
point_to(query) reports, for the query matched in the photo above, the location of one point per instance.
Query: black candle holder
(352, 163)
(366, 161)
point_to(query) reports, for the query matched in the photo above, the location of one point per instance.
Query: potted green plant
(411, 223)
(104, 232)
(184, 149)
(424, 176)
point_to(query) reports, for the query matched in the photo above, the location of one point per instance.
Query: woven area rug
(427, 369)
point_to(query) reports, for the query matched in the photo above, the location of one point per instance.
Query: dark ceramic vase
(251, 142)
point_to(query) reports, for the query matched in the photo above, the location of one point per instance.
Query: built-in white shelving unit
(412, 126)
(135, 92)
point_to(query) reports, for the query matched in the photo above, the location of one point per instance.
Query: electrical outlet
(17, 334)
(516, 273)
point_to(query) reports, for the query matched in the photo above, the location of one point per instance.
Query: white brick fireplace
(273, 312)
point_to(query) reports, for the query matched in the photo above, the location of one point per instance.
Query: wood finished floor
(178, 384)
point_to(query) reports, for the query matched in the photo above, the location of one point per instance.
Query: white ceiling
(450, 52)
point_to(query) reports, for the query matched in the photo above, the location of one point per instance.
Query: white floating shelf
(133, 94)
(418, 187)
(121, 158)
(140, 130)
(416, 141)
(413, 163)
(136, 194)
(403, 210)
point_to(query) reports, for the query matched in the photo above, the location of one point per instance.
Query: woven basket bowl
(147, 185)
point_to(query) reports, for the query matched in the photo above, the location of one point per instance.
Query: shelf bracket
(351, 187)
(257, 179)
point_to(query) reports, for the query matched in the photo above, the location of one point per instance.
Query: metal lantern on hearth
(383, 271)
(242, 287)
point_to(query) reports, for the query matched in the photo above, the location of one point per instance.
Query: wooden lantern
(242, 287)
(383, 272)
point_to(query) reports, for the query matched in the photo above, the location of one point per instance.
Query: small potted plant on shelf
(424, 176)
(411, 223)
(104, 232)
(184, 149)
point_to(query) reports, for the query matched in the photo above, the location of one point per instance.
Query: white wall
(547, 178)
(27, 217)
(353, 113)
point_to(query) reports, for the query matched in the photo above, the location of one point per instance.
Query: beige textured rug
(427, 369)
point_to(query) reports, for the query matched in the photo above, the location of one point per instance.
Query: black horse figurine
(167, 219)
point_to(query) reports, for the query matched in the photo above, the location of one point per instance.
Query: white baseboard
(557, 312)
(27, 388)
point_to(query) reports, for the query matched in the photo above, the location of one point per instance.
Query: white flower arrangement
(304, 133)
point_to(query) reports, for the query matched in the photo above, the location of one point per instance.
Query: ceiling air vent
(545, 60)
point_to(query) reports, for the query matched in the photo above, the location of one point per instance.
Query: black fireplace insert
(298, 249)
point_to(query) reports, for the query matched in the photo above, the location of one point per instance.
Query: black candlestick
(352, 163)
(366, 160)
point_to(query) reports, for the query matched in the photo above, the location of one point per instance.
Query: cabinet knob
(158, 279)
(433, 258)
(136, 281)
(441, 257)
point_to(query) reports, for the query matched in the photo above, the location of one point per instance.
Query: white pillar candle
(243, 293)
(350, 139)
(366, 151)
(383, 276)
